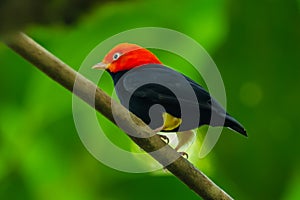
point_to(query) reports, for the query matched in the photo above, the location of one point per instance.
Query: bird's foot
(184, 154)
(164, 138)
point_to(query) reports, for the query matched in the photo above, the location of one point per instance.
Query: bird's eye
(116, 56)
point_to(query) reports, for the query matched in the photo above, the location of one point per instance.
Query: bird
(165, 99)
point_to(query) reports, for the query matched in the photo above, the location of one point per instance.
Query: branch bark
(85, 89)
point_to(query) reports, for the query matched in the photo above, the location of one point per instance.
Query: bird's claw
(164, 138)
(184, 154)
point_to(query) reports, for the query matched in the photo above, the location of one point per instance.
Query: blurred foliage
(255, 44)
(16, 14)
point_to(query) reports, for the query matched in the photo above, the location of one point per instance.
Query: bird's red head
(126, 56)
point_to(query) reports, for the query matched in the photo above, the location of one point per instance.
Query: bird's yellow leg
(170, 123)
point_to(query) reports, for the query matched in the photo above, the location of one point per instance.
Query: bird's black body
(142, 89)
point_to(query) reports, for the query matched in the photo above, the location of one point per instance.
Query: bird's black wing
(161, 84)
(157, 84)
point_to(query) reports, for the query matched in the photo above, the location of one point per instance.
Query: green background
(256, 46)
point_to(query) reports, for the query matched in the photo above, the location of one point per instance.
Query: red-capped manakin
(142, 81)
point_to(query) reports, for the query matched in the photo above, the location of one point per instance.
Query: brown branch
(85, 89)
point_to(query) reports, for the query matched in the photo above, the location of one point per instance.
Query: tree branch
(85, 89)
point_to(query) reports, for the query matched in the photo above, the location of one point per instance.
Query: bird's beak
(100, 65)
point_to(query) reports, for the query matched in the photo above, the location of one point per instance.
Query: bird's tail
(233, 124)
